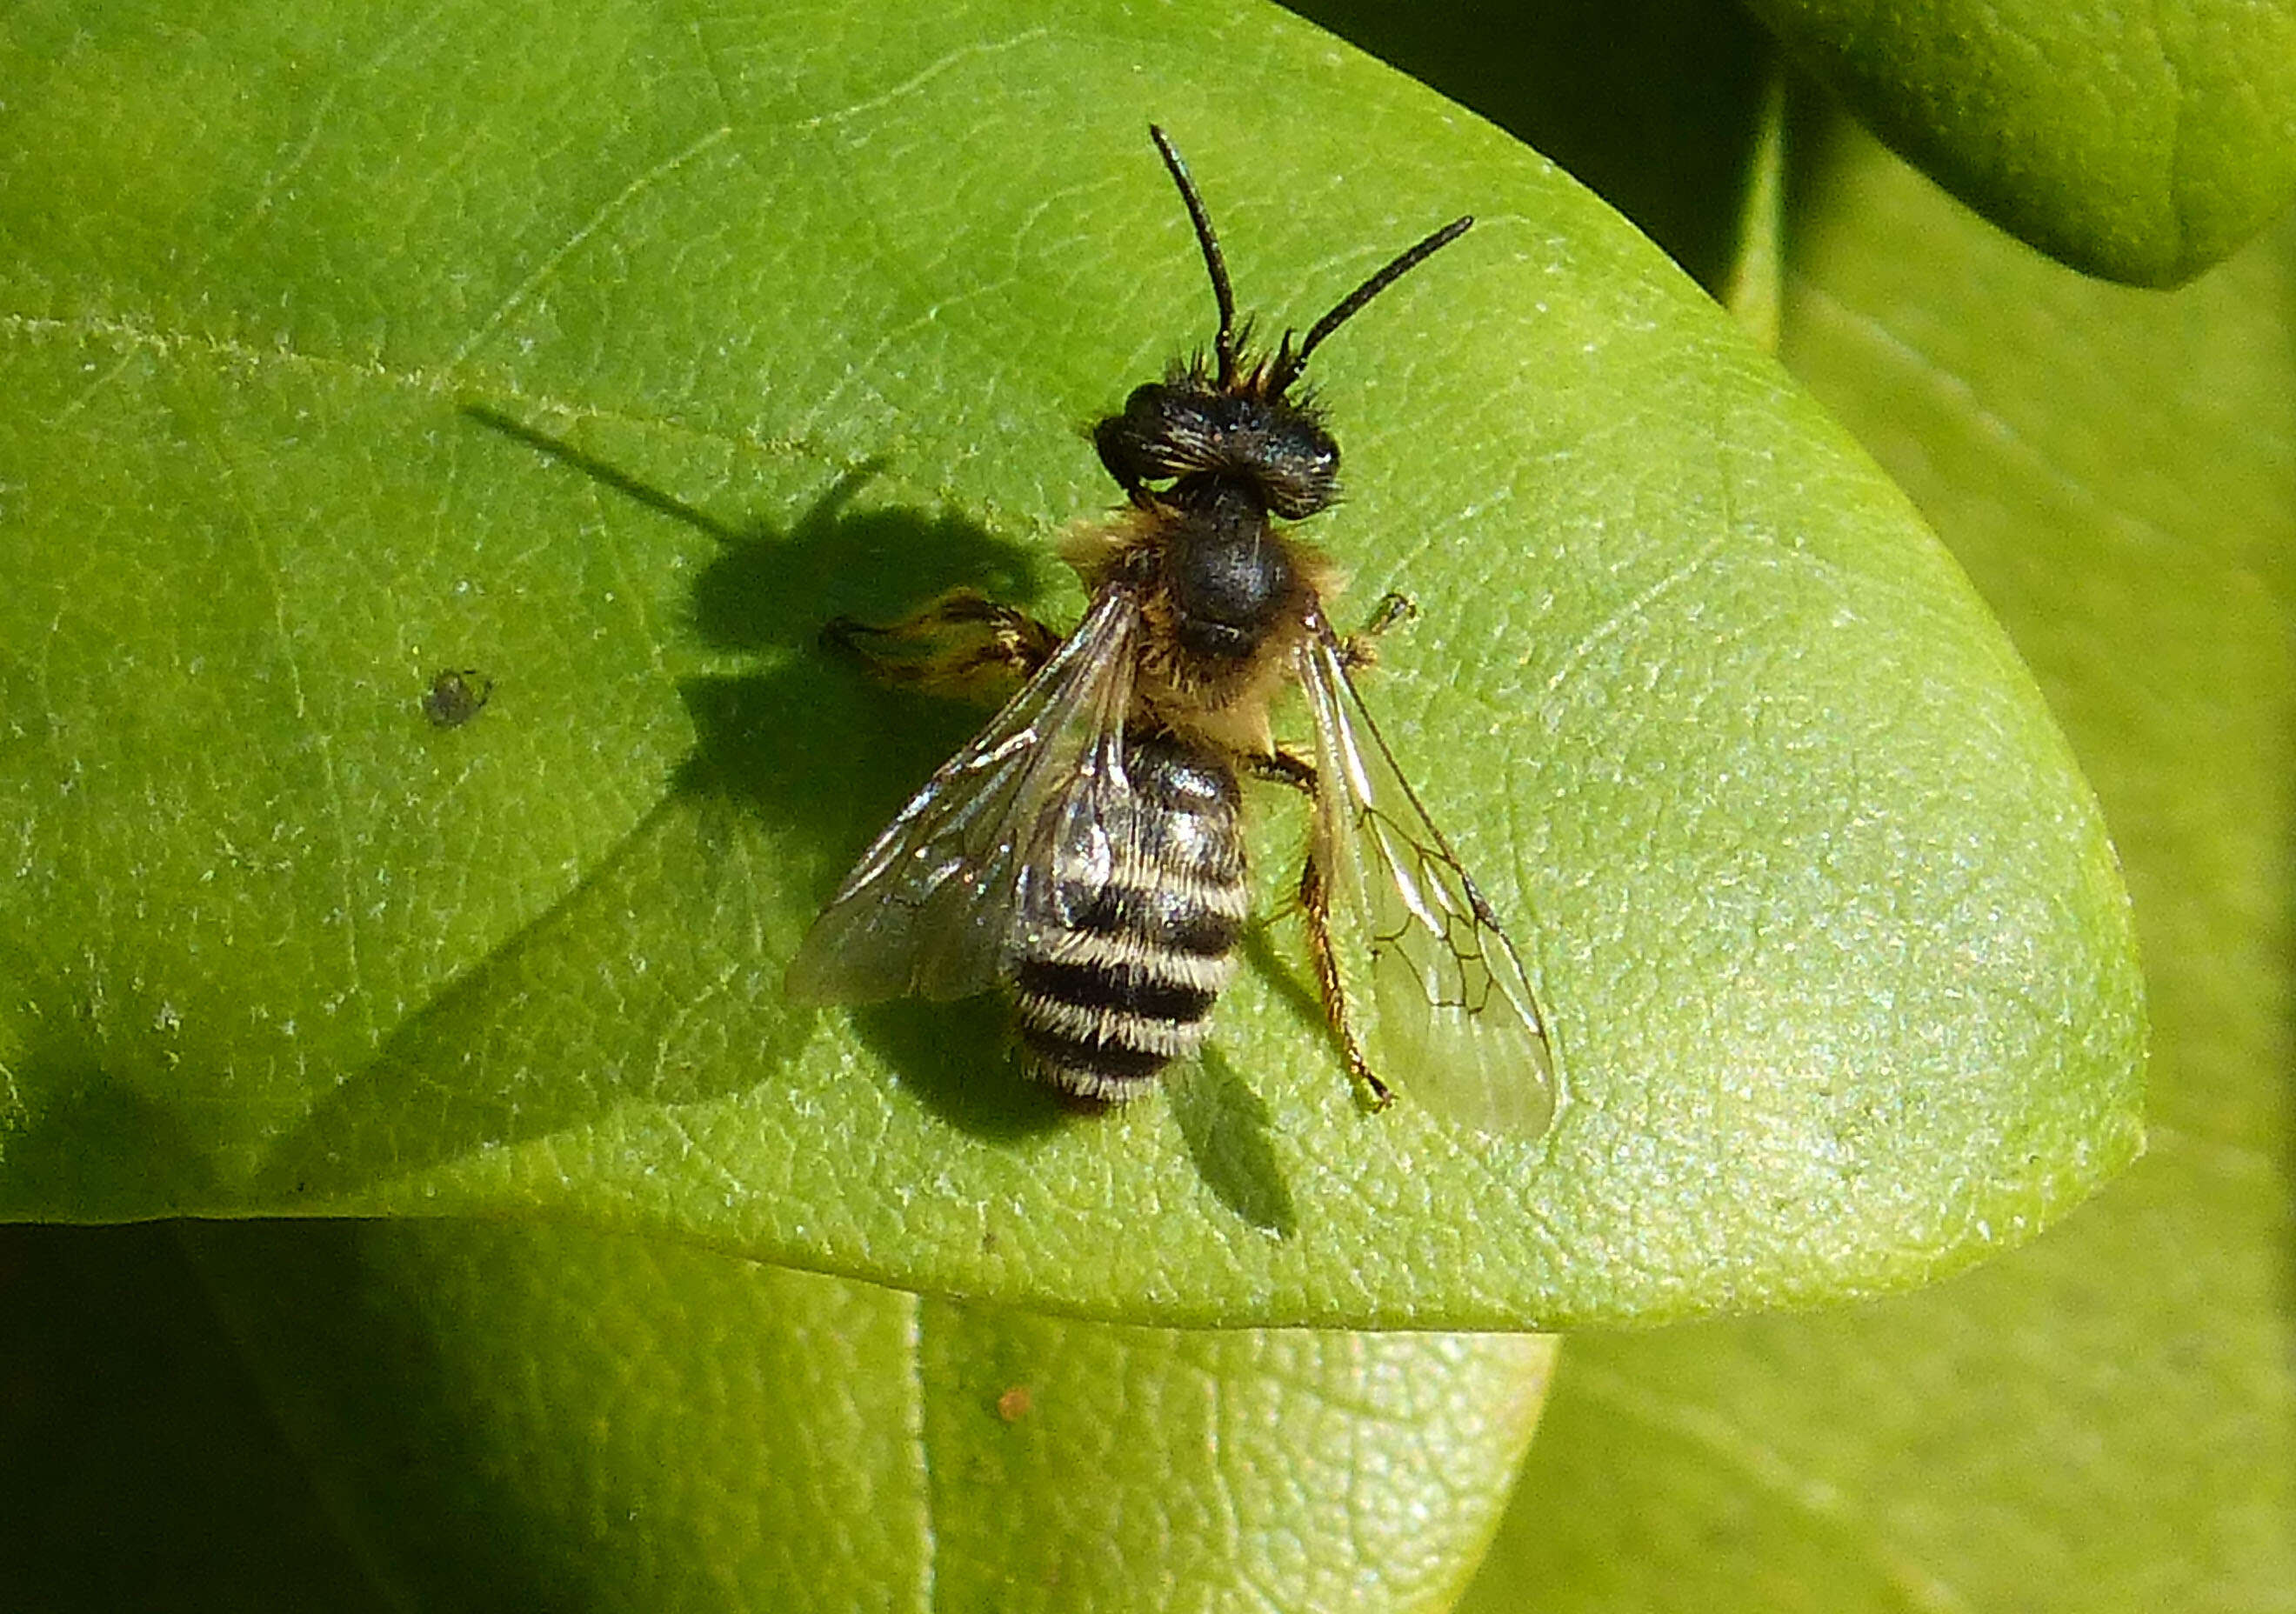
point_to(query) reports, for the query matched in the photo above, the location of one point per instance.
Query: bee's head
(1235, 420)
(1188, 426)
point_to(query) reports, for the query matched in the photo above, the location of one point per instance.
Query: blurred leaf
(2100, 1423)
(2142, 143)
(495, 1417)
(347, 353)
(140, 1467)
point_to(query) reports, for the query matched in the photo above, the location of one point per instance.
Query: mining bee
(1086, 849)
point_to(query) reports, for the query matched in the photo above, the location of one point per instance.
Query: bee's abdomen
(1139, 935)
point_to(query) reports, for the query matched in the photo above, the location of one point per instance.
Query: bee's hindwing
(932, 906)
(1446, 1010)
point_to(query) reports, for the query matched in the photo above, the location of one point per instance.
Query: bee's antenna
(1289, 363)
(1223, 344)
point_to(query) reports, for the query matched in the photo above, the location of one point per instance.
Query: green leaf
(2098, 1423)
(489, 1417)
(2142, 143)
(346, 352)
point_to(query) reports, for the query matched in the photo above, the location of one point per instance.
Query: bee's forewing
(1445, 1010)
(930, 907)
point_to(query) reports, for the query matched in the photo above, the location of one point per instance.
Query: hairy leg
(1361, 648)
(962, 644)
(1315, 908)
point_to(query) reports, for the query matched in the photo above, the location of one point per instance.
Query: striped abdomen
(1127, 958)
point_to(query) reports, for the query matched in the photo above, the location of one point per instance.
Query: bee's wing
(1448, 1013)
(931, 906)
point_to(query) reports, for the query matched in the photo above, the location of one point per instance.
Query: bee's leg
(962, 644)
(1315, 906)
(1360, 650)
(1282, 767)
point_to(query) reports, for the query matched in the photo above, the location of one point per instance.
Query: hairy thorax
(1226, 599)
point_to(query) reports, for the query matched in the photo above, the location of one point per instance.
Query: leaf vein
(547, 269)
(1960, 392)
(1708, 1430)
(131, 335)
(1650, 594)
(924, 77)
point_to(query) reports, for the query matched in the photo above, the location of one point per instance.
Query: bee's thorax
(1229, 575)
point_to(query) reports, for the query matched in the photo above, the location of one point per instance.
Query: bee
(1086, 849)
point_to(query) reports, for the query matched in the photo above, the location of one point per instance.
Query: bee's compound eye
(1178, 427)
(1163, 432)
(1297, 467)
